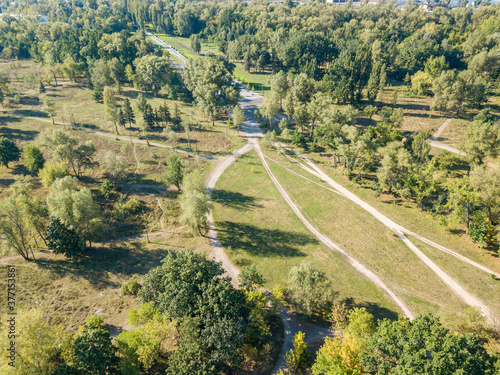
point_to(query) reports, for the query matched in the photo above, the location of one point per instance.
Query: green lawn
(255, 225)
(367, 240)
(259, 82)
(408, 214)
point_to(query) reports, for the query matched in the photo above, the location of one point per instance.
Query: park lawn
(408, 214)
(255, 225)
(144, 181)
(70, 290)
(417, 113)
(454, 134)
(478, 283)
(368, 240)
(259, 82)
(75, 99)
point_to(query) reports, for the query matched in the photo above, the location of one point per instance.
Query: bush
(125, 209)
(52, 172)
(106, 188)
(131, 287)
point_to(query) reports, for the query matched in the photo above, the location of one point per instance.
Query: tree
(93, 352)
(14, 230)
(114, 165)
(433, 347)
(195, 43)
(77, 210)
(66, 148)
(279, 85)
(37, 344)
(164, 114)
(420, 147)
(341, 354)
(128, 112)
(395, 164)
(310, 289)
(212, 312)
(482, 138)
(33, 158)
(250, 279)
(486, 181)
(153, 72)
(175, 170)
(122, 120)
(49, 106)
(299, 358)
(111, 107)
(63, 240)
(41, 88)
(51, 172)
(194, 208)
(238, 117)
(9, 152)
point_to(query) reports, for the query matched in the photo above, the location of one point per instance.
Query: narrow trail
(467, 297)
(119, 137)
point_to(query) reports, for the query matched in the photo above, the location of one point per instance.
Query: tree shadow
(32, 113)
(98, 264)
(376, 310)
(264, 242)
(234, 199)
(22, 135)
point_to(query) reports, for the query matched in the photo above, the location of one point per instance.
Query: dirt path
(120, 137)
(400, 231)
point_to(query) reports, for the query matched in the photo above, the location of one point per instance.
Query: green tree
(9, 152)
(213, 313)
(49, 106)
(280, 85)
(93, 352)
(299, 358)
(77, 210)
(63, 240)
(482, 138)
(152, 72)
(310, 289)
(15, 232)
(420, 147)
(394, 167)
(389, 351)
(195, 43)
(111, 107)
(128, 112)
(238, 117)
(33, 158)
(174, 173)
(37, 344)
(51, 172)
(66, 148)
(250, 279)
(114, 165)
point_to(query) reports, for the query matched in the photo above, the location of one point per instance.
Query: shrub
(130, 287)
(127, 208)
(52, 172)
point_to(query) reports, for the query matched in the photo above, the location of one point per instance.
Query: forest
(110, 214)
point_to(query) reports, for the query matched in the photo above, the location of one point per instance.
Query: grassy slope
(76, 99)
(368, 240)
(71, 290)
(408, 214)
(255, 225)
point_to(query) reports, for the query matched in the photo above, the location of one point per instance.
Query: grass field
(71, 290)
(408, 214)
(255, 225)
(76, 100)
(259, 82)
(367, 239)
